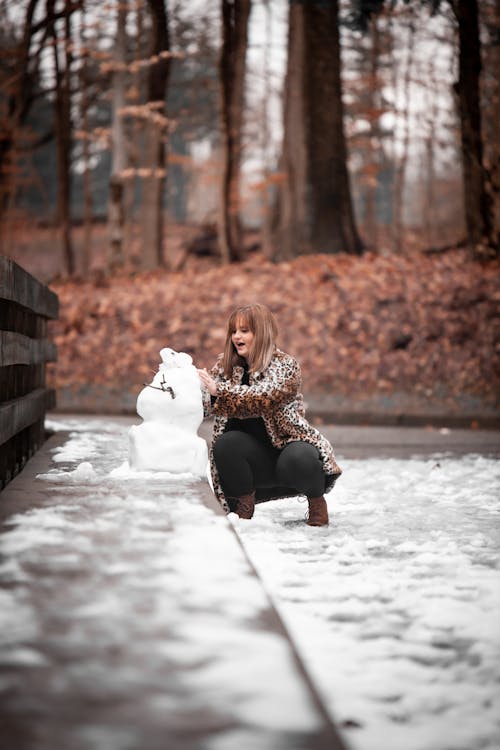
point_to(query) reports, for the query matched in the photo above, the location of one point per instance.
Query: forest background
(162, 162)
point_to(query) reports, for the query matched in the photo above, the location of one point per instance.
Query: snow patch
(395, 607)
(83, 474)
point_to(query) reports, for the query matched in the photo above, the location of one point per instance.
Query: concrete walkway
(131, 618)
(357, 442)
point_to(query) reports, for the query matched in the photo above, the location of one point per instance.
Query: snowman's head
(171, 358)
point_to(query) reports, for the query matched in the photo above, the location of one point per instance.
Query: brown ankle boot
(318, 512)
(245, 505)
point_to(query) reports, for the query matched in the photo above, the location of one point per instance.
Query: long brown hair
(262, 323)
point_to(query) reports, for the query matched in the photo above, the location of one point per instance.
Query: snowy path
(396, 607)
(130, 618)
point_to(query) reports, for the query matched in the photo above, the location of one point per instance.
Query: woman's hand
(208, 382)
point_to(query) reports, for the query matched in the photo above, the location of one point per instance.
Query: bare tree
(154, 163)
(21, 88)
(16, 91)
(402, 161)
(134, 150)
(490, 16)
(266, 231)
(235, 14)
(84, 122)
(316, 213)
(478, 202)
(116, 213)
(63, 129)
(428, 161)
(371, 168)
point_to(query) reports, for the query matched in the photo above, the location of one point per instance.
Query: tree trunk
(372, 166)
(87, 173)
(402, 160)
(267, 194)
(494, 140)
(17, 96)
(491, 109)
(316, 211)
(63, 141)
(429, 210)
(116, 212)
(132, 227)
(154, 183)
(478, 203)
(235, 14)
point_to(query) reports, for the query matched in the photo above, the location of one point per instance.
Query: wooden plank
(17, 285)
(20, 413)
(16, 349)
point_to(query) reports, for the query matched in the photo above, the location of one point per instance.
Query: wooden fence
(25, 307)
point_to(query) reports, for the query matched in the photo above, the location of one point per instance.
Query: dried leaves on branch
(428, 325)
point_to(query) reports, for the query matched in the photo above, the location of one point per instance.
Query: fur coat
(273, 394)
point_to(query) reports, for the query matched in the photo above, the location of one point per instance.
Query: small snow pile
(84, 473)
(172, 411)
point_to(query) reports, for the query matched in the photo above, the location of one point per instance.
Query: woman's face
(242, 339)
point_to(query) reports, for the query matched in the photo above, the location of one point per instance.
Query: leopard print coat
(274, 395)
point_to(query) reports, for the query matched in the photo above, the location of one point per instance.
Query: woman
(263, 447)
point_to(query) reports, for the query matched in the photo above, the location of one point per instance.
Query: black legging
(244, 463)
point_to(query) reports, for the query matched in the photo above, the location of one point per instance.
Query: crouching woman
(263, 447)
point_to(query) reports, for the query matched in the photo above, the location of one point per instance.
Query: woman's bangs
(240, 319)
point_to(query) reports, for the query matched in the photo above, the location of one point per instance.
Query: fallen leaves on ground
(424, 324)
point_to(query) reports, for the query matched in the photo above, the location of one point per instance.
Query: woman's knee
(300, 466)
(235, 450)
(300, 456)
(230, 444)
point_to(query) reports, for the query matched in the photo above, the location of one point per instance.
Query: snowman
(172, 411)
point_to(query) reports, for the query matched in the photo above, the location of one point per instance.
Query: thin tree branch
(41, 141)
(52, 16)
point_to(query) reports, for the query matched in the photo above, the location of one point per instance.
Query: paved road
(404, 442)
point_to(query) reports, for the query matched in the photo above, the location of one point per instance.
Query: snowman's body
(172, 411)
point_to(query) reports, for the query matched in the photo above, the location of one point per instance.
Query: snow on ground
(117, 597)
(396, 606)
